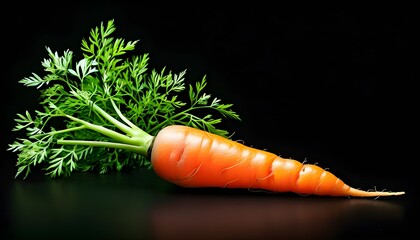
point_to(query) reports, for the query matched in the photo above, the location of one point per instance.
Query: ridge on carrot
(114, 114)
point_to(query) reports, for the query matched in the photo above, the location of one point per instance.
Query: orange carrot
(114, 113)
(190, 157)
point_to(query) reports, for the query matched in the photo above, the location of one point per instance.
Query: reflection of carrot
(190, 157)
(205, 216)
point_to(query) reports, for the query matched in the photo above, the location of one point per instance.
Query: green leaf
(100, 112)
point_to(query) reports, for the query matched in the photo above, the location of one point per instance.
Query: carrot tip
(353, 192)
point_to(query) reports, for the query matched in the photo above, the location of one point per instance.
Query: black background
(332, 86)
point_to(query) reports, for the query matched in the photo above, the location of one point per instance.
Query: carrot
(191, 157)
(116, 116)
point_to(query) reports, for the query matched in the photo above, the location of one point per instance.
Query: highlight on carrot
(106, 113)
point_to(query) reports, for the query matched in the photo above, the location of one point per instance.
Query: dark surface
(334, 87)
(139, 205)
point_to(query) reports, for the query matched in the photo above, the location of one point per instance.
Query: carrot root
(191, 157)
(354, 192)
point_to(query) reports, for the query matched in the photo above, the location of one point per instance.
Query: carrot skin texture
(190, 157)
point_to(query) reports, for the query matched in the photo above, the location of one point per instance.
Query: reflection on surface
(246, 217)
(83, 207)
(129, 207)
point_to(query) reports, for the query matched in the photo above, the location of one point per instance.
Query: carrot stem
(136, 140)
(137, 149)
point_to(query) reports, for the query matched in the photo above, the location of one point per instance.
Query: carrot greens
(101, 112)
